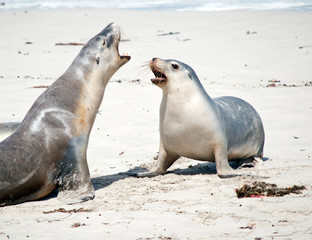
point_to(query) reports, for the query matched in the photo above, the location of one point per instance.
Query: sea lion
(48, 149)
(196, 126)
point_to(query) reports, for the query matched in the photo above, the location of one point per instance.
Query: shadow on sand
(104, 181)
(206, 168)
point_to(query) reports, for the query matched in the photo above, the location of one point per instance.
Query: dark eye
(175, 66)
(104, 41)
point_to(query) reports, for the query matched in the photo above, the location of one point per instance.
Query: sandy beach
(264, 57)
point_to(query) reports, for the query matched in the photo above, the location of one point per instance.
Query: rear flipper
(248, 162)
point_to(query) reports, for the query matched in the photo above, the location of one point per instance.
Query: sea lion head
(102, 52)
(171, 72)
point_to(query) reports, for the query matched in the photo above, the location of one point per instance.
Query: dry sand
(234, 53)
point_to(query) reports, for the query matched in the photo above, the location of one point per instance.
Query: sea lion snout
(159, 72)
(109, 38)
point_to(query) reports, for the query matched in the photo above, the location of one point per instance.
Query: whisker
(144, 67)
(144, 70)
(146, 64)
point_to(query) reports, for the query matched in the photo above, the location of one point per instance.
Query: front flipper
(165, 160)
(74, 179)
(73, 197)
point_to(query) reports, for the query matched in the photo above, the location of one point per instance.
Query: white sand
(188, 203)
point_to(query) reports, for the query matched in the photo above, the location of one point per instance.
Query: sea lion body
(194, 125)
(48, 149)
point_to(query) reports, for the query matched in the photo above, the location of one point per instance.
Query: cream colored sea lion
(196, 126)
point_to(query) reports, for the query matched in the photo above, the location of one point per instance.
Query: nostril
(154, 59)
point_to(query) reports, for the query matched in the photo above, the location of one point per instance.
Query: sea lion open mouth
(124, 57)
(160, 77)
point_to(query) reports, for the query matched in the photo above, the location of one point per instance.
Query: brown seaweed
(63, 210)
(262, 189)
